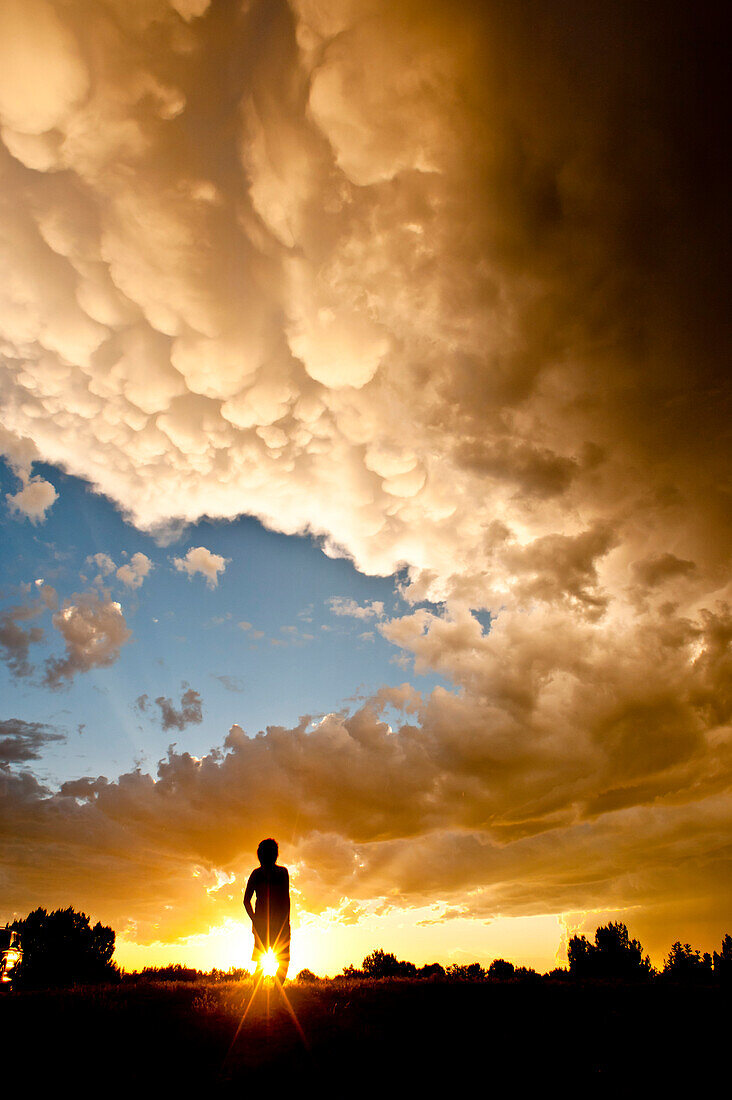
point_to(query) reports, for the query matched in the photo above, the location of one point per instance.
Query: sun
(269, 963)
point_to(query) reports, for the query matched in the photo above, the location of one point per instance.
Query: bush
(62, 949)
(174, 972)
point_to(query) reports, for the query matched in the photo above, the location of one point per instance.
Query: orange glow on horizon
(325, 944)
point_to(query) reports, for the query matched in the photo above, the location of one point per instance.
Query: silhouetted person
(271, 915)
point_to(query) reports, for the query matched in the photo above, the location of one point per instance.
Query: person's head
(268, 852)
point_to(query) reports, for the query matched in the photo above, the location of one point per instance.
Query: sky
(366, 434)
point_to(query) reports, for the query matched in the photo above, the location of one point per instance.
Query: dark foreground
(358, 1035)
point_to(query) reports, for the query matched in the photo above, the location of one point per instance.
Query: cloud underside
(445, 294)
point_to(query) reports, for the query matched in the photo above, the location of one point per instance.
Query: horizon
(364, 474)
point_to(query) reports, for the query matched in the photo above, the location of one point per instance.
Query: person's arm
(287, 890)
(251, 887)
(248, 896)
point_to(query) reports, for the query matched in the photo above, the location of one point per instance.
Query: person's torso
(272, 893)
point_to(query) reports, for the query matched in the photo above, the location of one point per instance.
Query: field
(359, 1035)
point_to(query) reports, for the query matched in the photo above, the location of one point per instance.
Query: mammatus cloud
(188, 713)
(451, 303)
(200, 560)
(93, 629)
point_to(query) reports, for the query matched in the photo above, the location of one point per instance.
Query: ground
(357, 1036)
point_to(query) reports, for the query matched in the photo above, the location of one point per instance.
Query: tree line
(62, 948)
(613, 956)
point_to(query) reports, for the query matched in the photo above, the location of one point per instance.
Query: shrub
(62, 949)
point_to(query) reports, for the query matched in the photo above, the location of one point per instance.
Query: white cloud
(34, 499)
(345, 607)
(133, 573)
(200, 560)
(103, 562)
(93, 629)
(37, 495)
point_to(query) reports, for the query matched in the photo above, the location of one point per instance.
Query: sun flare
(269, 963)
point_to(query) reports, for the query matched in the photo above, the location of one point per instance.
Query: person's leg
(283, 958)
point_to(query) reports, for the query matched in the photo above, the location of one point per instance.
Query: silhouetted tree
(431, 970)
(472, 972)
(684, 963)
(723, 960)
(613, 955)
(382, 964)
(526, 974)
(501, 970)
(307, 976)
(61, 949)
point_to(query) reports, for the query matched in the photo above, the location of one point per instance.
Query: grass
(360, 1035)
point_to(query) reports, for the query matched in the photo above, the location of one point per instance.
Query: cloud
(103, 562)
(133, 573)
(37, 495)
(342, 606)
(412, 813)
(200, 560)
(34, 499)
(188, 713)
(23, 741)
(449, 302)
(232, 683)
(93, 629)
(653, 571)
(16, 640)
